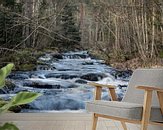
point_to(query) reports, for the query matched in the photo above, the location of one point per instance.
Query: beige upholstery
(143, 77)
(124, 110)
(132, 104)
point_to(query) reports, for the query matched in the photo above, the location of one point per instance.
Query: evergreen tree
(69, 28)
(10, 34)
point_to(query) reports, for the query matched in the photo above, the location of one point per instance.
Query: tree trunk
(27, 13)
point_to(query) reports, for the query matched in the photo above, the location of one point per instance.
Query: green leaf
(24, 98)
(4, 72)
(8, 126)
(2, 103)
(20, 99)
(5, 107)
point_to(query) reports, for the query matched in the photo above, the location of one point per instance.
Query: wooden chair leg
(160, 98)
(94, 123)
(124, 125)
(113, 94)
(146, 110)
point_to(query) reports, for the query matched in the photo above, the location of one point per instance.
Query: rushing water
(63, 78)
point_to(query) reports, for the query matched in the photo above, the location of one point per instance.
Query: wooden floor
(57, 121)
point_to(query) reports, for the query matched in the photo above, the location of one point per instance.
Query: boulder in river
(49, 84)
(88, 63)
(18, 76)
(8, 88)
(75, 56)
(93, 76)
(81, 81)
(122, 86)
(45, 67)
(57, 103)
(62, 76)
(123, 75)
(42, 85)
(57, 56)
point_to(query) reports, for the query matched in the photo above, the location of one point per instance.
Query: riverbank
(27, 59)
(131, 63)
(135, 63)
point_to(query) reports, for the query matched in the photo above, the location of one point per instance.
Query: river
(62, 79)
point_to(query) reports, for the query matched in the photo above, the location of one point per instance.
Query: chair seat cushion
(125, 110)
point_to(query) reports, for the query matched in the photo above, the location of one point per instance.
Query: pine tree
(69, 28)
(10, 34)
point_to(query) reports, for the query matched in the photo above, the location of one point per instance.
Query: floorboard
(57, 121)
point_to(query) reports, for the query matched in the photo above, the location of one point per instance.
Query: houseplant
(19, 99)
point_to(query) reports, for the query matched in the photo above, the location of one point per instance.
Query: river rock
(123, 75)
(93, 76)
(57, 56)
(46, 58)
(57, 103)
(8, 88)
(122, 86)
(81, 81)
(20, 89)
(62, 76)
(41, 76)
(43, 85)
(88, 63)
(45, 67)
(75, 56)
(49, 85)
(18, 76)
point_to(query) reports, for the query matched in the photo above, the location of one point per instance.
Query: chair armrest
(98, 90)
(148, 88)
(101, 85)
(148, 91)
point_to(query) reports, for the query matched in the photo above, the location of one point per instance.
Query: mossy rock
(25, 59)
(9, 87)
(42, 63)
(9, 84)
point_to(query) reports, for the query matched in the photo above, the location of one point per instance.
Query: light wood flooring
(57, 121)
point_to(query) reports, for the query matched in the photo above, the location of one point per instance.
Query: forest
(125, 33)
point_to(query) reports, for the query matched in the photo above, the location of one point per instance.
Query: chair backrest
(146, 77)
